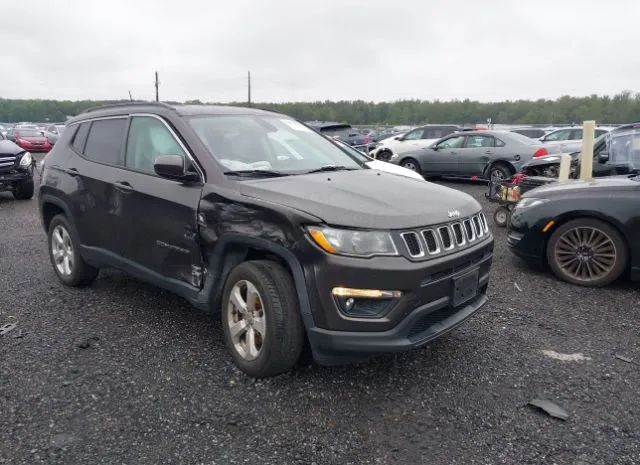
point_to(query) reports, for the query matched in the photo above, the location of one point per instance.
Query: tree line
(621, 108)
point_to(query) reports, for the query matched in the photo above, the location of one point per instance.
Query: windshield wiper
(330, 168)
(250, 173)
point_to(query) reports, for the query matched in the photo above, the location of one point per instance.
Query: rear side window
(81, 137)
(104, 142)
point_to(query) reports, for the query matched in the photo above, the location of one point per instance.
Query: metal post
(586, 157)
(249, 88)
(565, 167)
(157, 85)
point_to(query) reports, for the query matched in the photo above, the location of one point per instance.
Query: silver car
(495, 155)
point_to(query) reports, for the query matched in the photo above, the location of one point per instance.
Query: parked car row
(33, 136)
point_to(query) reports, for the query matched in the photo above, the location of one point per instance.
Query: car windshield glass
(27, 133)
(624, 148)
(250, 142)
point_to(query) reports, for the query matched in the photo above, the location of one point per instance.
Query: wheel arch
(410, 157)
(500, 161)
(51, 206)
(231, 250)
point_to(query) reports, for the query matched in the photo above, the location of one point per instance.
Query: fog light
(366, 293)
(364, 303)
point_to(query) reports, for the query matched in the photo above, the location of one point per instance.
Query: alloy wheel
(497, 175)
(246, 320)
(585, 253)
(62, 250)
(410, 165)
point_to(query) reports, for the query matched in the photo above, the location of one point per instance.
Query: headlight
(350, 242)
(26, 160)
(530, 202)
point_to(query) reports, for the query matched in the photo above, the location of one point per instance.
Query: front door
(159, 215)
(443, 158)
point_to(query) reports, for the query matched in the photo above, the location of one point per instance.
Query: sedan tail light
(541, 152)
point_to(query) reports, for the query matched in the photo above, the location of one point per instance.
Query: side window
(452, 143)
(599, 132)
(80, 137)
(414, 135)
(576, 134)
(558, 135)
(148, 139)
(479, 141)
(499, 143)
(104, 142)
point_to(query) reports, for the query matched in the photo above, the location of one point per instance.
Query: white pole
(586, 157)
(565, 166)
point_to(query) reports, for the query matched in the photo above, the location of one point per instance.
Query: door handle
(488, 152)
(123, 186)
(71, 171)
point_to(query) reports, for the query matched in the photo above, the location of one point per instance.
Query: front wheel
(587, 252)
(261, 319)
(23, 190)
(384, 155)
(410, 164)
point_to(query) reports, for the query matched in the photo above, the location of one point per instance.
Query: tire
(276, 324)
(23, 190)
(411, 164)
(384, 155)
(501, 217)
(500, 172)
(63, 242)
(578, 257)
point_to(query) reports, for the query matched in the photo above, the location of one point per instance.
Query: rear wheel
(261, 319)
(587, 252)
(384, 155)
(410, 164)
(501, 216)
(23, 190)
(64, 251)
(500, 172)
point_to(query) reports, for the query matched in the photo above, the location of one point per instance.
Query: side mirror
(435, 148)
(603, 157)
(172, 167)
(398, 138)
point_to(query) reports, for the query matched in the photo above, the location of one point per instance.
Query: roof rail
(128, 104)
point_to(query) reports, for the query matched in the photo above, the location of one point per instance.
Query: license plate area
(465, 288)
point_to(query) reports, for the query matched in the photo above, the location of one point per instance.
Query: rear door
(477, 151)
(97, 204)
(444, 159)
(159, 214)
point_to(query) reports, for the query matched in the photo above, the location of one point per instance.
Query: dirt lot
(126, 373)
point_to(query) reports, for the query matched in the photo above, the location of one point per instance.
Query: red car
(30, 140)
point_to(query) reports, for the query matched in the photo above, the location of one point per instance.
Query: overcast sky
(315, 50)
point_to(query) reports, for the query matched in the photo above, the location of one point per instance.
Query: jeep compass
(258, 218)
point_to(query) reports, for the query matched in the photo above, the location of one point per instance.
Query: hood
(393, 169)
(9, 148)
(367, 198)
(596, 185)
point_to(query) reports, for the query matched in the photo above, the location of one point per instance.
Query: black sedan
(588, 232)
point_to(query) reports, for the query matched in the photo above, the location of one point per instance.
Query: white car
(566, 140)
(421, 137)
(380, 165)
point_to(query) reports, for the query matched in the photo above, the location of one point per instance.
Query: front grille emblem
(453, 214)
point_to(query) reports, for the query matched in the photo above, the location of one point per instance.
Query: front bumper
(424, 312)
(8, 178)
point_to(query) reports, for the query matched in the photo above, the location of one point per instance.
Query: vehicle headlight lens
(26, 160)
(530, 202)
(350, 242)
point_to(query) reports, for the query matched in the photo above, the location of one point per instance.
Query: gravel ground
(126, 373)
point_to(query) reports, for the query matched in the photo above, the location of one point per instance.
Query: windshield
(248, 142)
(624, 148)
(27, 133)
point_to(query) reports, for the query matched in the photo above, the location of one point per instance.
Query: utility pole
(249, 87)
(130, 97)
(157, 85)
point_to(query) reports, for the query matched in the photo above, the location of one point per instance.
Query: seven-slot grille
(446, 237)
(7, 162)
